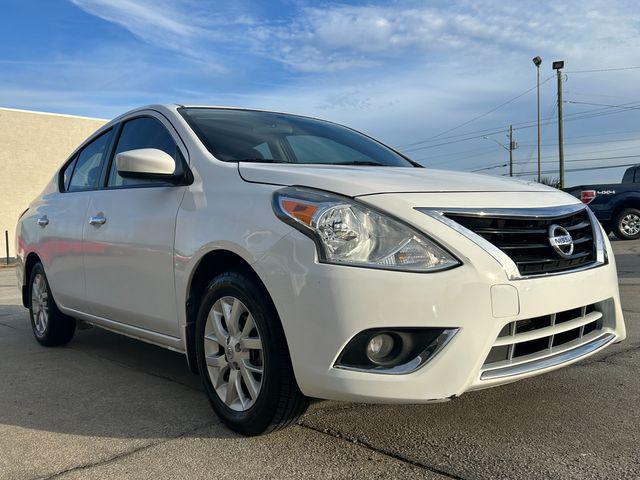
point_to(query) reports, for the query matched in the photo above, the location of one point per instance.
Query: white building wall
(32, 146)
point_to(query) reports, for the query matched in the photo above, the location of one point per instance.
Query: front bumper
(323, 306)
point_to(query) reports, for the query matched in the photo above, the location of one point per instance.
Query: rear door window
(88, 164)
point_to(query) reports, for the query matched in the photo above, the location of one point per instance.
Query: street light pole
(558, 66)
(537, 61)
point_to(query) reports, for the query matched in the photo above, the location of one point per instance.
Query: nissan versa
(289, 257)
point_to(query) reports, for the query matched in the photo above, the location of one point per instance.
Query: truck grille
(534, 338)
(525, 239)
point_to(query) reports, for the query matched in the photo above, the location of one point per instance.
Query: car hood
(356, 181)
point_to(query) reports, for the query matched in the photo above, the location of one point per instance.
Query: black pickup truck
(617, 205)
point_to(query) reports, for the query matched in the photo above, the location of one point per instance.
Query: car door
(129, 235)
(60, 219)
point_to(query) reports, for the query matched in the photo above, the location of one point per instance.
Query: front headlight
(347, 232)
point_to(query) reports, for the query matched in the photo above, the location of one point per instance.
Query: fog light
(379, 347)
(395, 350)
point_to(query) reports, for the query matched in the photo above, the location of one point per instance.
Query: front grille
(532, 338)
(526, 239)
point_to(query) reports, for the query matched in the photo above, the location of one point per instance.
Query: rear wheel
(243, 357)
(627, 224)
(50, 326)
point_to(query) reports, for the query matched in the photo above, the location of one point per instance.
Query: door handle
(43, 221)
(97, 220)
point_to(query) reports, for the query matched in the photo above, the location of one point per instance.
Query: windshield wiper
(259, 160)
(363, 163)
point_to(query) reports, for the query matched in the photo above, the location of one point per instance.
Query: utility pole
(511, 147)
(557, 66)
(537, 61)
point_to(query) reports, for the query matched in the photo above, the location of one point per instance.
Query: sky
(424, 77)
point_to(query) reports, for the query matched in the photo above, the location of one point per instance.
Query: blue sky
(402, 71)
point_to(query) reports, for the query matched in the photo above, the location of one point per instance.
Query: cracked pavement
(110, 407)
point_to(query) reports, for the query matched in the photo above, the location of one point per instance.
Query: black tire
(279, 401)
(621, 224)
(58, 329)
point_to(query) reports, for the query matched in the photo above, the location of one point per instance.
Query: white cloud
(182, 26)
(341, 37)
(337, 37)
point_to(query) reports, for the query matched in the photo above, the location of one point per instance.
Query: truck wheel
(627, 224)
(50, 326)
(244, 359)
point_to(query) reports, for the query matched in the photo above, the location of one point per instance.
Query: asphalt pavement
(106, 406)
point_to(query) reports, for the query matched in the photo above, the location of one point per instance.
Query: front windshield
(253, 136)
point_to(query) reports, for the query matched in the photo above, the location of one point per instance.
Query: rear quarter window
(65, 175)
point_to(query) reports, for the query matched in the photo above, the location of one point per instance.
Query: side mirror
(148, 163)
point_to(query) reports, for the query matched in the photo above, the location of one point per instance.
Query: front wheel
(50, 326)
(627, 224)
(243, 357)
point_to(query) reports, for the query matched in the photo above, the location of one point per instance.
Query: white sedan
(289, 257)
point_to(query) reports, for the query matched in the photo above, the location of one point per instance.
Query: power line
(583, 117)
(490, 167)
(594, 159)
(571, 160)
(484, 131)
(524, 163)
(525, 124)
(499, 165)
(582, 94)
(476, 152)
(604, 104)
(603, 70)
(604, 134)
(509, 101)
(485, 151)
(453, 141)
(479, 116)
(582, 169)
(590, 152)
(596, 112)
(615, 140)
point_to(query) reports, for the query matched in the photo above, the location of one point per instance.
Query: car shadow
(99, 385)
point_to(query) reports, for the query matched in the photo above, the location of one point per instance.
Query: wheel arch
(210, 264)
(629, 201)
(30, 261)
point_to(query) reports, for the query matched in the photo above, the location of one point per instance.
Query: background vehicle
(289, 257)
(617, 205)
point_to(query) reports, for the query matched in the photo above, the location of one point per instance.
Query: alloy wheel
(233, 353)
(630, 224)
(40, 304)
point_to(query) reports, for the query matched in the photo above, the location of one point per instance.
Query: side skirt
(172, 343)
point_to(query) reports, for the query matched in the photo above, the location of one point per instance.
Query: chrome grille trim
(531, 341)
(550, 361)
(549, 331)
(540, 212)
(509, 266)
